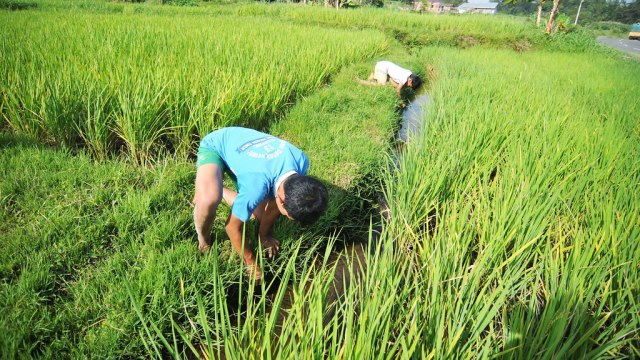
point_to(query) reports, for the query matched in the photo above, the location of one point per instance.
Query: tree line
(590, 11)
(623, 11)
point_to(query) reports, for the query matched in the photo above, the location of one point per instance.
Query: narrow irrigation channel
(349, 261)
(412, 117)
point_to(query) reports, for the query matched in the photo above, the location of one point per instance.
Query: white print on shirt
(266, 149)
(262, 140)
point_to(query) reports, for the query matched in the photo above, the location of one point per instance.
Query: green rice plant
(141, 122)
(147, 242)
(96, 127)
(510, 223)
(161, 81)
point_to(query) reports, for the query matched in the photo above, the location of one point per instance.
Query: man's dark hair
(415, 81)
(305, 198)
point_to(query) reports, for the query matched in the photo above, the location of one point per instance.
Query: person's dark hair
(415, 81)
(305, 198)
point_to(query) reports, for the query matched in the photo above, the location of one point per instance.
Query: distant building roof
(478, 5)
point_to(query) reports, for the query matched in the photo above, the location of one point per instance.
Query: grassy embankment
(514, 233)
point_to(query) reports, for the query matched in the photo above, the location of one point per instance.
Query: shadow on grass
(17, 5)
(558, 327)
(8, 140)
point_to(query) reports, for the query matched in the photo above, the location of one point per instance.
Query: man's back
(258, 161)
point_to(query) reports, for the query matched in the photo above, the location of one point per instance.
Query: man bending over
(270, 174)
(397, 76)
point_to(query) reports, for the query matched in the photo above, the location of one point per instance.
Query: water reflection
(412, 117)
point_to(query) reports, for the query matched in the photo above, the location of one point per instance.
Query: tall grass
(135, 82)
(514, 228)
(526, 229)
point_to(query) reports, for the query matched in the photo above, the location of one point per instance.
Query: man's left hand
(271, 244)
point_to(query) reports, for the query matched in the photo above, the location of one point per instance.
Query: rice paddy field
(514, 227)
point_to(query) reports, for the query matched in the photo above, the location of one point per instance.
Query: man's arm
(234, 230)
(397, 86)
(267, 220)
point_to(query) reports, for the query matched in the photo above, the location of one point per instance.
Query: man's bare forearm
(234, 230)
(269, 217)
(398, 89)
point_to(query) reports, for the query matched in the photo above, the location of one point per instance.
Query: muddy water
(349, 264)
(412, 117)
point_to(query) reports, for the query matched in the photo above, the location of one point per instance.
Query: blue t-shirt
(257, 160)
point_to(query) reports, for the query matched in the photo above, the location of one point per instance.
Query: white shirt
(396, 73)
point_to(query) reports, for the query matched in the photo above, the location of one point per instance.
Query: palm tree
(554, 11)
(539, 16)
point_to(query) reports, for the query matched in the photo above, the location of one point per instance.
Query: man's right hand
(203, 247)
(241, 246)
